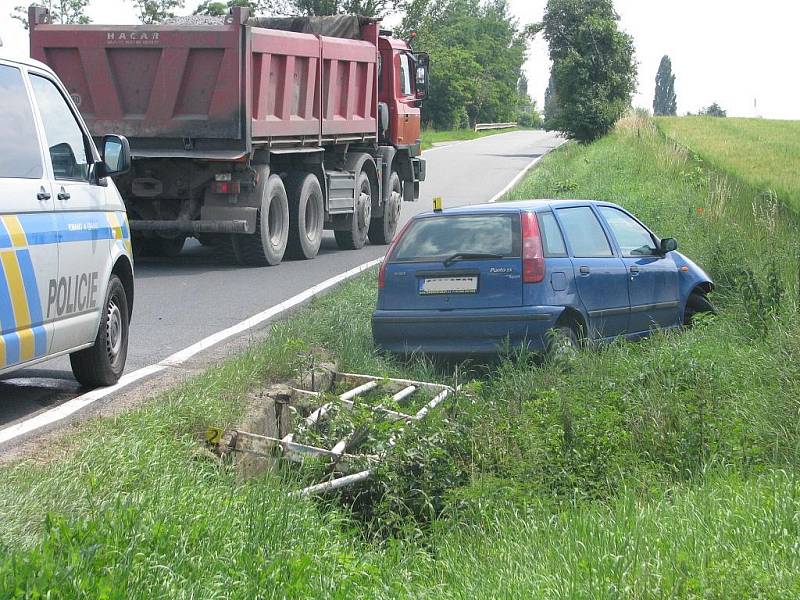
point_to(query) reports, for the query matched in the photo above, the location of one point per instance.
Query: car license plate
(448, 285)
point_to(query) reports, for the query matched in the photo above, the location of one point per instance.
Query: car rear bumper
(483, 331)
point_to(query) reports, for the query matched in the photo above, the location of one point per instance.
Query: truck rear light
(382, 270)
(226, 187)
(532, 251)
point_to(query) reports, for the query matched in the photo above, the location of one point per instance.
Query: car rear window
(439, 237)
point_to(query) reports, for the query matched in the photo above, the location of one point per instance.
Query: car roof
(515, 206)
(19, 60)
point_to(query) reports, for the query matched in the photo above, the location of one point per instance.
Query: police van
(66, 266)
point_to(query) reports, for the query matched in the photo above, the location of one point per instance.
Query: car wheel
(562, 343)
(103, 363)
(695, 305)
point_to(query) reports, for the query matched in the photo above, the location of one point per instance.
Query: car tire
(306, 216)
(696, 304)
(355, 236)
(103, 363)
(267, 245)
(382, 229)
(562, 342)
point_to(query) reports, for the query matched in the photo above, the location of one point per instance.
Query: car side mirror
(668, 245)
(116, 156)
(421, 59)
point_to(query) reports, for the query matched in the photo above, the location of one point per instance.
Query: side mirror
(116, 156)
(668, 245)
(421, 60)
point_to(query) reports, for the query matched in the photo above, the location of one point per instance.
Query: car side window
(20, 155)
(584, 232)
(405, 75)
(65, 139)
(551, 235)
(633, 239)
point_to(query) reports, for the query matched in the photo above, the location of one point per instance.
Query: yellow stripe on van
(114, 222)
(3, 360)
(15, 231)
(19, 304)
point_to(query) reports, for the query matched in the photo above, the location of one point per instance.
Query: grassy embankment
(432, 136)
(655, 469)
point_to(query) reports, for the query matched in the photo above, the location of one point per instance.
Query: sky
(741, 54)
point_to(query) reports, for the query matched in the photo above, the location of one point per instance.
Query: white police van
(66, 266)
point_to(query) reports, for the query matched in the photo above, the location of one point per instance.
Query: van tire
(306, 215)
(267, 245)
(382, 229)
(355, 236)
(103, 363)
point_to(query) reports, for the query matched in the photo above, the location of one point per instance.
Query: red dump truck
(251, 133)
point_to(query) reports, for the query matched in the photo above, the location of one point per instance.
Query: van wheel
(267, 245)
(306, 215)
(103, 363)
(355, 236)
(382, 230)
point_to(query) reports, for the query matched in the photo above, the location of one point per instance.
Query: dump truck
(251, 134)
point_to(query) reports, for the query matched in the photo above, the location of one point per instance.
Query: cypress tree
(665, 102)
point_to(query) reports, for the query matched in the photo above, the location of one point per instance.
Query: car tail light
(532, 252)
(382, 271)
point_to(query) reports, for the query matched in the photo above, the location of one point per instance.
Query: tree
(550, 104)
(713, 110)
(594, 73)
(156, 11)
(66, 12)
(665, 103)
(477, 52)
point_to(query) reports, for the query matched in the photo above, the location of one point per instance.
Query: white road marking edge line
(521, 174)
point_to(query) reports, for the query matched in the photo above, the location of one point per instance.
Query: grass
(432, 136)
(762, 153)
(655, 469)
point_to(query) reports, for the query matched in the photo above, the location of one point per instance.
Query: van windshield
(437, 238)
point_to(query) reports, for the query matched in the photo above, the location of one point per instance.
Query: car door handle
(634, 271)
(43, 195)
(63, 194)
(584, 270)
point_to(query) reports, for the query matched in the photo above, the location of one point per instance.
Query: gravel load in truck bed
(194, 20)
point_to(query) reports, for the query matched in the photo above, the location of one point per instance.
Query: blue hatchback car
(478, 279)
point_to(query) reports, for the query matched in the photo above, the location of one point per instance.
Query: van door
(85, 232)
(28, 245)
(600, 275)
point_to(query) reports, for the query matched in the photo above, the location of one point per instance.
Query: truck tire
(267, 245)
(306, 215)
(355, 236)
(382, 229)
(103, 363)
(168, 247)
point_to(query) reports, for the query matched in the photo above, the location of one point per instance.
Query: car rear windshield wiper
(467, 256)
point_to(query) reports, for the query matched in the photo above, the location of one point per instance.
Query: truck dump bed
(217, 90)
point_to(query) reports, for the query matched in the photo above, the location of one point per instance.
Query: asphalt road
(183, 300)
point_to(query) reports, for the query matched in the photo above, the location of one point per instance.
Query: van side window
(584, 232)
(551, 234)
(20, 155)
(65, 139)
(405, 75)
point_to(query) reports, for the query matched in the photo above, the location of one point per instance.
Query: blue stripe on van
(8, 324)
(34, 302)
(5, 238)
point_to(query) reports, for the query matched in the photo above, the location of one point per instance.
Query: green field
(665, 468)
(764, 154)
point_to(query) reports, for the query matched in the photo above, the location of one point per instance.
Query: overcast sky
(734, 52)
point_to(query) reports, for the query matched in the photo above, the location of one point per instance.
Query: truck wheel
(306, 215)
(103, 363)
(267, 245)
(168, 247)
(382, 230)
(355, 237)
